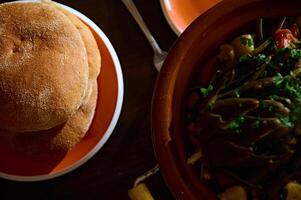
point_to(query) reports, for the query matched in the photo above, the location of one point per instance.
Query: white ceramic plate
(110, 82)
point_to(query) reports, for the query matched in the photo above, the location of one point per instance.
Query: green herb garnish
(246, 41)
(273, 97)
(262, 58)
(295, 53)
(256, 124)
(278, 79)
(237, 93)
(206, 91)
(245, 58)
(286, 120)
(236, 124)
(272, 109)
(262, 104)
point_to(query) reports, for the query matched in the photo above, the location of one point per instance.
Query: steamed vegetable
(243, 44)
(293, 191)
(234, 193)
(247, 120)
(140, 192)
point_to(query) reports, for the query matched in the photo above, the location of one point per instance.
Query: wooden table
(128, 153)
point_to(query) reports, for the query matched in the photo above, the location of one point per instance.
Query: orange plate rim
(115, 117)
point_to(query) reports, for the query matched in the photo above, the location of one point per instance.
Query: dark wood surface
(128, 153)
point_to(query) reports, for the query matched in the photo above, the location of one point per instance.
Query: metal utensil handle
(135, 13)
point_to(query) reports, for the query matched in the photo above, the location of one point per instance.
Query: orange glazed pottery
(190, 53)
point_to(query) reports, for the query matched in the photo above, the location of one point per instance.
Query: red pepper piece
(283, 38)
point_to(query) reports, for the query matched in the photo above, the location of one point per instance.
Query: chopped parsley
(206, 91)
(295, 53)
(291, 87)
(256, 124)
(272, 109)
(273, 97)
(278, 79)
(237, 94)
(286, 120)
(262, 58)
(245, 58)
(285, 60)
(262, 104)
(236, 124)
(246, 41)
(288, 86)
(267, 107)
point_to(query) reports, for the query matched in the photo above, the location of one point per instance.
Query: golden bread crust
(94, 57)
(43, 67)
(58, 140)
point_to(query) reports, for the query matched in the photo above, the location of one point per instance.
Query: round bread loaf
(43, 67)
(94, 57)
(55, 141)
